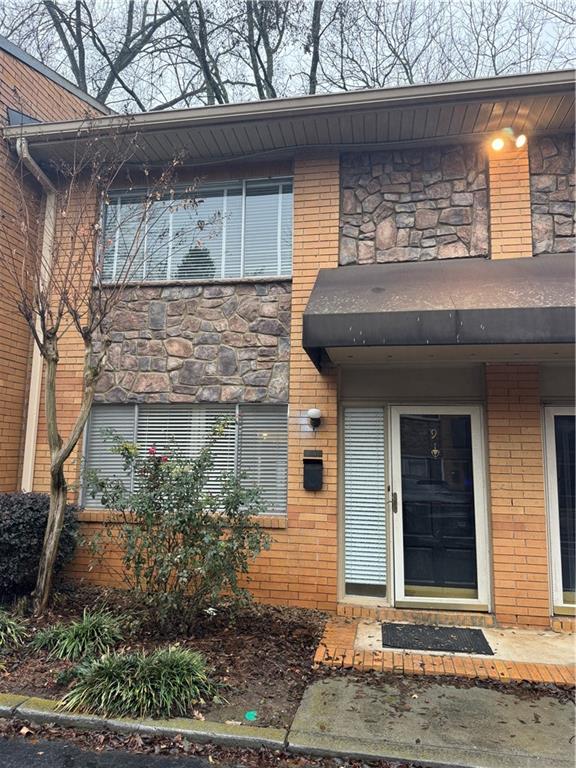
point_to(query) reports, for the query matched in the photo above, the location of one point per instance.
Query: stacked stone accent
(413, 204)
(210, 343)
(553, 194)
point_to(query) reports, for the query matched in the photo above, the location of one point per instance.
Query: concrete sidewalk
(471, 727)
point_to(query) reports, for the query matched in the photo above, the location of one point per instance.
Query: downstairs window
(254, 443)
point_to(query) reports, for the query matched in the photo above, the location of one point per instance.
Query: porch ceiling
(451, 304)
(421, 114)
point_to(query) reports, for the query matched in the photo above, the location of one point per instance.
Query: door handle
(395, 502)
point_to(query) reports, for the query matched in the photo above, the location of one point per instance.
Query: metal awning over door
(450, 303)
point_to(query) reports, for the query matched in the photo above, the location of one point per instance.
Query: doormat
(421, 637)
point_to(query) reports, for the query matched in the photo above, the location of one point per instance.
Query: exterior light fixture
(498, 143)
(507, 136)
(314, 417)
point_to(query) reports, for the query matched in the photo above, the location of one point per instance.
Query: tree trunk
(58, 498)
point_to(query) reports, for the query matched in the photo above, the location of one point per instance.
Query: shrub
(94, 634)
(12, 630)
(23, 519)
(184, 544)
(164, 683)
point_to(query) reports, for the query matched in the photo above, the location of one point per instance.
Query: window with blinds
(364, 502)
(239, 229)
(264, 452)
(253, 443)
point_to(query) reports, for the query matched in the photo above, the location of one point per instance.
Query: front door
(438, 505)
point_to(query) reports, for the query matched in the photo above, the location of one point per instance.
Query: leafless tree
(158, 54)
(60, 288)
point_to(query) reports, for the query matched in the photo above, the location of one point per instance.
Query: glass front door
(561, 457)
(438, 505)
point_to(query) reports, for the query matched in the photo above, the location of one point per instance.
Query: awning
(462, 302)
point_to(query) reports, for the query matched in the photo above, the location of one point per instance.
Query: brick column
(510, 214)
(518, 506)
(312, 516)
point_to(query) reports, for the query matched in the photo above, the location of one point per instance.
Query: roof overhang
(464, 303)
(467, 110)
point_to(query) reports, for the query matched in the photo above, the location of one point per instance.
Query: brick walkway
(337, 650)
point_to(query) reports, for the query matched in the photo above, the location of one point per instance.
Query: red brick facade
(25, 90)
(302, 568)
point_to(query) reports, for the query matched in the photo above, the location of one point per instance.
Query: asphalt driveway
(17, 753)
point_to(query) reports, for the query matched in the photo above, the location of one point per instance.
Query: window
(254, 443)
(561, 486)
(241, 229)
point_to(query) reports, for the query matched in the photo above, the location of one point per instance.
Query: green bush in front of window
(183, 544)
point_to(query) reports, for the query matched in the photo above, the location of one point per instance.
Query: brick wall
(25, 90)
(518, 503)
(301, 566)
(510, 215)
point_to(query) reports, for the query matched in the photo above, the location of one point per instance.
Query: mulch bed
(261, 654)
(103, 741)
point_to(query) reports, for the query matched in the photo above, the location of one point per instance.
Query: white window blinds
(187, 430)
(264, 452)
(119, 419)
(364, 497)
(240, 229)
(254, 441)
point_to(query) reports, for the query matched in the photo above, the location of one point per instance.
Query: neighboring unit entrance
(560, 462)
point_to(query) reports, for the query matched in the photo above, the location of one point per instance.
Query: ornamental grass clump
(167, 682)
(12, 631)
(95, 633)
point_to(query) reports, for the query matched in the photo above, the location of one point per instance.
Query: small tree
(186, 534)
(57, 282)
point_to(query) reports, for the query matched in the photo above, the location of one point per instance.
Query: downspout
(35, 388)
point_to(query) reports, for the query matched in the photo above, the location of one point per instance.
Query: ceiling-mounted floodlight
(506, 136)
(498, 143)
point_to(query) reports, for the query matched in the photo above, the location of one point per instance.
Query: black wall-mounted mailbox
(313, 470)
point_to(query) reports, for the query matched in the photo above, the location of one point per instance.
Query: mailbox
(313, 470)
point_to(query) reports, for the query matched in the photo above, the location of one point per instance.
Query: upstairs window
(239, 229)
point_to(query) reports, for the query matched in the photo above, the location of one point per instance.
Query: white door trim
(480, 501)
(550, 411)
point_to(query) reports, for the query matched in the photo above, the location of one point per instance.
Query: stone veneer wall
(553, 193)
(413, 204)
(210, 343)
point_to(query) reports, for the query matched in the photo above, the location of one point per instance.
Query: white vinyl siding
(254, 441)
(364, 497)
(239, 229)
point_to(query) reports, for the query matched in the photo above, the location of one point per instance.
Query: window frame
(115, 197)
(559, 606)
(235, 414)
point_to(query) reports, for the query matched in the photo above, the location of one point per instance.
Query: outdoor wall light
(498, 143)
(314, 417)
(507, 135)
